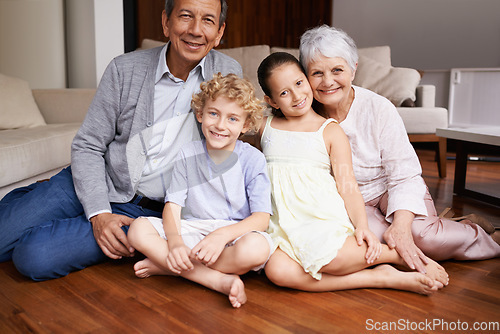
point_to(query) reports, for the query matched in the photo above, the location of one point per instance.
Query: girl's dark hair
(268, 65)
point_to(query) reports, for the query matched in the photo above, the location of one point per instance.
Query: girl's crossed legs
(348, 271)
(284, 271)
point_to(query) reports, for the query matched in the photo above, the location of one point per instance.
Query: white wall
(60, 43)
(430, 35)
(426, 34)
(110, 41)
(95, 36)
(80, 36)
(32, 42)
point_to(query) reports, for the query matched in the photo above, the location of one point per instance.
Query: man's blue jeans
(44, 230)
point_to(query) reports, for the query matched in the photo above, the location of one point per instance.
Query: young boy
(218, 203)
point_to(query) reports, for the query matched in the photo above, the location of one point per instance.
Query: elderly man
(122, 155)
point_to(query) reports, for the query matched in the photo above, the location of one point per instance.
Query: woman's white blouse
(383, 158)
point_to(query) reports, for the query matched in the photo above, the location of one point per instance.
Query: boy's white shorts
(193, 231)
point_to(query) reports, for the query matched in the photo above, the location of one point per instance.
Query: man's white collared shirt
(174, 125)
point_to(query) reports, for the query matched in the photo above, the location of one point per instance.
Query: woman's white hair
(329, 42)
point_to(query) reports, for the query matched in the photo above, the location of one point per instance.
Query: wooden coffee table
(467, 138)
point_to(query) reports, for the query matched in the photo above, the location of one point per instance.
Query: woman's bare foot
(407, 281)
(436, 272)
(147, 268)
(233, 286)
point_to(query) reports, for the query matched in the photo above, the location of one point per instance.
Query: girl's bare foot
(436, 272)
(146, 268)
(233, 286)
(407, 281)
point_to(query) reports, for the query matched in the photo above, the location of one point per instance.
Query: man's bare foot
(496, 236)
(407, 281)
(436, 272)
(147, 268)
(233, 286)
(476, 219)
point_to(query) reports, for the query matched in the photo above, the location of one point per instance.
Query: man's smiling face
(193, 30)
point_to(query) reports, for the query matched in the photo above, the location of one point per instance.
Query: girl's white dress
(309, 221)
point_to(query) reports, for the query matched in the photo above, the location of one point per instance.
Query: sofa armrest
(423, 120)
(425, 96)
(61, 105)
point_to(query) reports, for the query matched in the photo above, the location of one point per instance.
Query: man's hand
(399, 236)
(109, 235)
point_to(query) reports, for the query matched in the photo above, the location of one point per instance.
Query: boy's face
(222, 122)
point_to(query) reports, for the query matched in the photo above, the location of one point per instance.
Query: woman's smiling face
(330, 79)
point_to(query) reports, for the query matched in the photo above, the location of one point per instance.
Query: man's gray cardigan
(107, 155)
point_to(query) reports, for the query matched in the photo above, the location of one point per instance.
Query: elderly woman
(399, 207)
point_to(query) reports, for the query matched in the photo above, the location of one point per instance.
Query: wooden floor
(108, 298)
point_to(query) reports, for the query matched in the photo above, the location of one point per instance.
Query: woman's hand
(374, 246)
(178, 258)
(208, 250)
(399, 236)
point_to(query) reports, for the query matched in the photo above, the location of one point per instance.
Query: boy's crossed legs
(249, 252)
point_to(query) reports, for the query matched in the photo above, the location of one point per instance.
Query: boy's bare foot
(407, 281)
(436, 272)
(147, 268)
(233, 286)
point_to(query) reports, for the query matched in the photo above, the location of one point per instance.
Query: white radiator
(474, 97)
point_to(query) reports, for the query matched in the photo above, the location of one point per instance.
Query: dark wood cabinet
(273, 22)
(249, 22)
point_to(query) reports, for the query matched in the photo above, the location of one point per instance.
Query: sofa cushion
(294, 52)
(150, 43)
(395, 83)
(249, 58)
(423, 120)
(381, 54)
(63, 105)
(28, 152)
(17, 106)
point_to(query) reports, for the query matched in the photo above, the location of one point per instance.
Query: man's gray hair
(169, 7)
(328, 42)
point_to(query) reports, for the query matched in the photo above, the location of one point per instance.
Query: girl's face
(290, 90)
(330, 80)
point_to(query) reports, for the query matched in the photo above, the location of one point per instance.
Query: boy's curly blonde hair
(233, 88)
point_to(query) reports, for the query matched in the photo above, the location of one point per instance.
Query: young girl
(319, 223)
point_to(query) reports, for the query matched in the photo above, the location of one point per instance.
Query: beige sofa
(35, 145)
